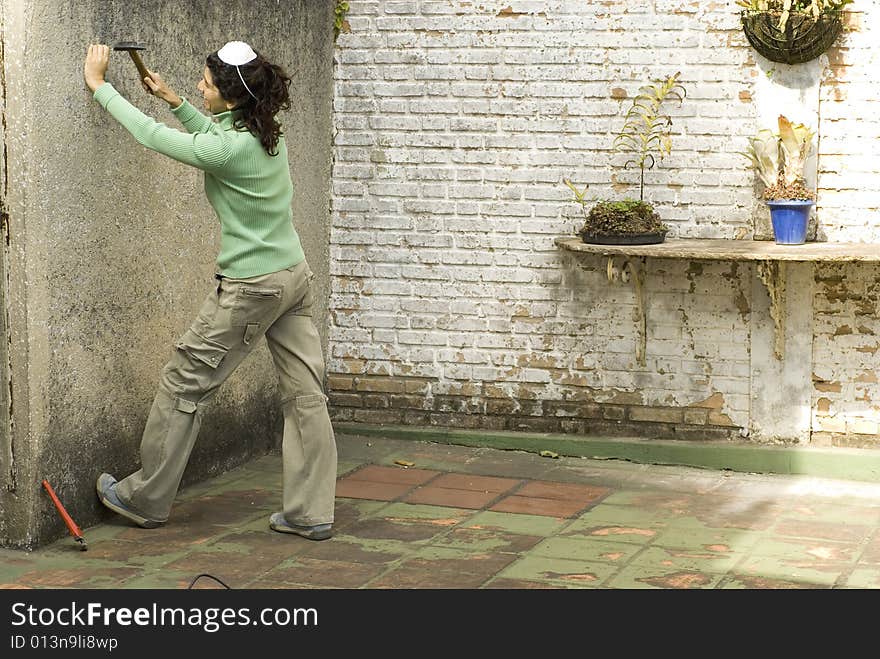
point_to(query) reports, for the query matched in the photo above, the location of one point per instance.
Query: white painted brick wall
(455, 125)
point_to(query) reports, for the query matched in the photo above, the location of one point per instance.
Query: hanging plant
(792, 31)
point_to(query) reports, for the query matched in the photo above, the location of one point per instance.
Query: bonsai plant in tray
(646, 132)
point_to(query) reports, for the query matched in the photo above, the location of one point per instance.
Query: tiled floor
(420, 515)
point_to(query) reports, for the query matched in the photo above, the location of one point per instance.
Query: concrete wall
(451, 304)
(109, 248)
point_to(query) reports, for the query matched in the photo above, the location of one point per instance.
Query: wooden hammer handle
(142, 70)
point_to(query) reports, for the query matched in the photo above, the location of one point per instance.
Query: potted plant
(646, 132)
(779, 159)
(792, 31)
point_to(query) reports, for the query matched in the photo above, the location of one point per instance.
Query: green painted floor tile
(435, 552)
(345, 466)
(267, 463)
(364, 506)
(735, 581)
(561, 571)
(632, 497)
(352, 511)
(515, 523)
(126, 552)
(687, 560)
(425, 512)
(423, 459)
(721, 518)
(165, 580)
(372, 548)
(644, 577)
(802, 549)
(586, 549)
(704, 538)
(864, 577)
(825, 573)
(624, 516)
(588, 528)
(14, 563)
(832, 512)
(101, 532)
(489, 540)
(80, 575)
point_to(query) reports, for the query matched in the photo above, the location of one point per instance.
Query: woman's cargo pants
(228, 326)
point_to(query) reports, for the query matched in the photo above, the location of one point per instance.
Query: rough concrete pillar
(782, 353)
(109, 248)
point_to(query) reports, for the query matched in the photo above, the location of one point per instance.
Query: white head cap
(236, 53)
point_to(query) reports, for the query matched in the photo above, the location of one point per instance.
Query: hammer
(71, 525)
(132, 48)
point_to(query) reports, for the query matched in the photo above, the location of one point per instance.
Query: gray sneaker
(316, 532)
(106, 487)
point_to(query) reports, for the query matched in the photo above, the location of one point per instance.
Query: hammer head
(129, 45)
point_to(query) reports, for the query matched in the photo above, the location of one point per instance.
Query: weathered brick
(862, 426)
(830, 424)
(663, 415)
(340, 383)
(345, 400)
(380, 384)
(696, 417)
(377, 416)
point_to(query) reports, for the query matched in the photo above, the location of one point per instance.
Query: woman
(264, 288)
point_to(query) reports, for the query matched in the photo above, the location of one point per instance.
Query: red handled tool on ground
(71, 525)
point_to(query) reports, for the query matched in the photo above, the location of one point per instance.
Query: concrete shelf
(732, 250)
(771, 260)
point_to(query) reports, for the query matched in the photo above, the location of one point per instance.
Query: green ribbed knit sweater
(249, 189)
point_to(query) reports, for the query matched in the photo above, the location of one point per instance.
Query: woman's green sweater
(249, 189)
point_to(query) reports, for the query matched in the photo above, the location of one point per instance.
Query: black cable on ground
(210, 576)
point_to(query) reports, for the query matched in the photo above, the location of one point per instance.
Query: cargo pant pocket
(204, 350)
(192, 372)
(255, 305)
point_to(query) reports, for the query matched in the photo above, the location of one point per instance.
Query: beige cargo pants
(229, 324)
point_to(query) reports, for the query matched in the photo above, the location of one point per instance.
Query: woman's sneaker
(106, 487)
(316, 532)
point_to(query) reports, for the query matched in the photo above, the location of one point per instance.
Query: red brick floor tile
(538, 506)
(233, 568)
(442, 496)
(350, 552)
(562, 491)
(354, 489)
(419, 576)
(83, 577)
(326, 574)
(390, 529)
(519, 584)
(476, 483)
(382, 474)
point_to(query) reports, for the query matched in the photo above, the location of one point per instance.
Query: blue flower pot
(790, 219)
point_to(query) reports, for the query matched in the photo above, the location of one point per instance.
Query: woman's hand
(95, 68)
(158, 88)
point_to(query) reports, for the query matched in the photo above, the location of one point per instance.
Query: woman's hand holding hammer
(158, 88)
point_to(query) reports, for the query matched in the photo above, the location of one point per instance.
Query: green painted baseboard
(834, 462)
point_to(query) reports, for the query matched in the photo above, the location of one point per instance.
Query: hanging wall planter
(801, 38)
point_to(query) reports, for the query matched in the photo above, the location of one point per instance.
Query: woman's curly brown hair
(268, 82)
